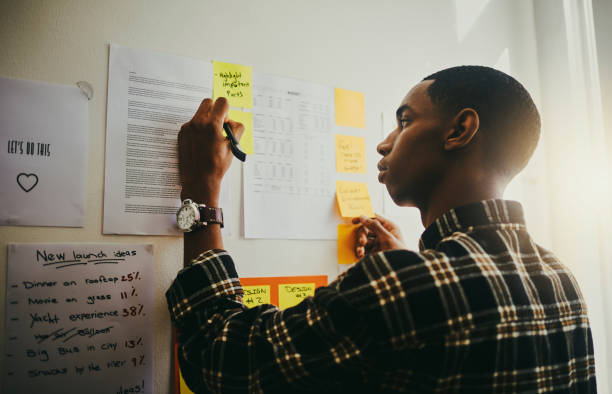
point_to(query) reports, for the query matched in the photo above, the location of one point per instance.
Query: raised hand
(375, 235)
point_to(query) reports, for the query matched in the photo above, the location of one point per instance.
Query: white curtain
(577, 166)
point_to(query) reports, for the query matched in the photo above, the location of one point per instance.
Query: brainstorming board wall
(378, 48)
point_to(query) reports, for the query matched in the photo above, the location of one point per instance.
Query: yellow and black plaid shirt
(481, 308)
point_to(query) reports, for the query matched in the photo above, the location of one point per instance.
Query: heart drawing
(27, 181)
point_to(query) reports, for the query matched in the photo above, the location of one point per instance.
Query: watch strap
(211, 214)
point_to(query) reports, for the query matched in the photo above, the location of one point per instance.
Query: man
(480, 308)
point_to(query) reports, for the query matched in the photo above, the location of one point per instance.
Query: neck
(455, 191)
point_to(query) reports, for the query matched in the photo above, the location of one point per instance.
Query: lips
(383, 170)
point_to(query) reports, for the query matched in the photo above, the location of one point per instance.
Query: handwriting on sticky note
(234, 82)
(346, 243)
(350, 154)
(291, 294)
(246, 118)
(350, 108)
(353, 199)
(256, 295)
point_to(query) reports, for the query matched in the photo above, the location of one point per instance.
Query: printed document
(289, 181)
(150, 96)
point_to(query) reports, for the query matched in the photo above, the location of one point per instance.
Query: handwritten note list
(234, 82)
(350, 154)
(353, 199)
(79, 316)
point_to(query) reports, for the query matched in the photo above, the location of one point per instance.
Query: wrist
(207, 194)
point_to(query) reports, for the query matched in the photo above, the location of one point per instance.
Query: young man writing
(479, 308)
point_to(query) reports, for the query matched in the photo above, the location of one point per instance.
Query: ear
(464, 127)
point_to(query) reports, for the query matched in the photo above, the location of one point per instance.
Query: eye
(403, 123)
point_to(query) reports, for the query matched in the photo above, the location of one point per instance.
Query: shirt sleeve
(327, 340)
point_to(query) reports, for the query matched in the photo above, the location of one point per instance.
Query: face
(413, 153)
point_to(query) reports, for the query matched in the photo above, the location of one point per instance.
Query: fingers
(237, 129)
(374, 226)
(203, 109)
(361, 241)
(219, 112)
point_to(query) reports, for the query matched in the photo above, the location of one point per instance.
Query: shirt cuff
(211, 276)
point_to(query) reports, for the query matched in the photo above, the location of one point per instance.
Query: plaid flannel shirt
(480, 308)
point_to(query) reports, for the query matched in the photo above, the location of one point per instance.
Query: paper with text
(43, 132)
(150, 96)
(79, 318)
(256, 295)
(288, 182)
(234, 82)
(291, 294)
(350, 154)
(350, 108)
(346, 243)
(353, 199)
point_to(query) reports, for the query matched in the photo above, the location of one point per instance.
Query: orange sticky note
(256, 295)
(350, 154)
(350, 108)
(246, 118)
(291, 294)
(234, 82)
(353, 199)
(346, 243)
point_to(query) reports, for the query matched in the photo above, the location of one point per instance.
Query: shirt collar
(467, 218)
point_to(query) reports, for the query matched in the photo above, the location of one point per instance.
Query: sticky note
(256, 295)
(233, 81)
(353, 199)
(346, 243)
(291, 294)
(350, 108)
(246, 118)
(350, 154)
(183, 389)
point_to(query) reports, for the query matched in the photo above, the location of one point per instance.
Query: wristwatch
(192, 216)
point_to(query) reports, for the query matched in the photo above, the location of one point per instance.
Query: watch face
(186, 217)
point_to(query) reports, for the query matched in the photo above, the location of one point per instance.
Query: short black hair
(509, 119)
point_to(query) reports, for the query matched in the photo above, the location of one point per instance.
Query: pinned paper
(350, 108)
(256, 295)
(43, 132)
(346, 243)
(79, 315)
(350, 154)
(233, 81)
(292, 294)
(246, 118)
(353, 199)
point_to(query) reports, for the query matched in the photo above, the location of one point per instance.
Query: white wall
(380, 48)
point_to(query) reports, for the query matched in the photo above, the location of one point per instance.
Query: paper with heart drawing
(43, 135)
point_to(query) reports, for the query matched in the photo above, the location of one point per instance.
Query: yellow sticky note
(246, 118)
(353, 199)
(293, 293)
(350, 154)
(256, 295)
(350, 108)
(183, 389)
(235, 82)
(346, 243)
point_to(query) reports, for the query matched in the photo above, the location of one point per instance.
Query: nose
(385, 146)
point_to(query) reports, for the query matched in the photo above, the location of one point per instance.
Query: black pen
(234, 145)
